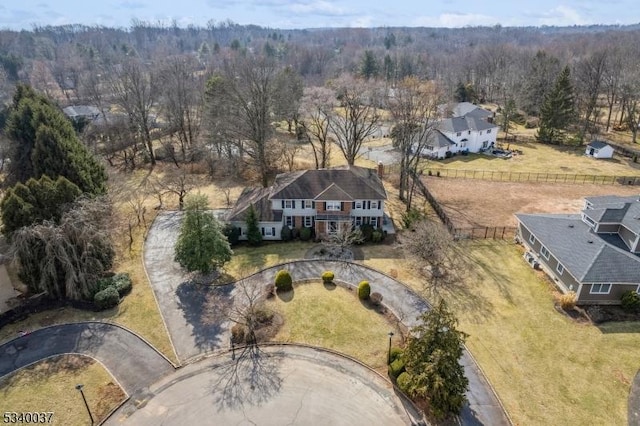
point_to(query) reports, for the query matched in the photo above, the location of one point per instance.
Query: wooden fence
(511, 176)
(460, 233)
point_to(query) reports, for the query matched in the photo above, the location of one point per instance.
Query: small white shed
(599, 149)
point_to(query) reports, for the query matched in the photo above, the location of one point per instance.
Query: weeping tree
(65, 259)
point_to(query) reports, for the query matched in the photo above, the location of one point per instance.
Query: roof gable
(333, 192)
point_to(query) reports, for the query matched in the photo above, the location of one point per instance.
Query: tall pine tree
(558, 110)
(44, 143)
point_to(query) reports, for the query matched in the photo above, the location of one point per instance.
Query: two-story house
(595, 253)
(472, 131)
(323, 200)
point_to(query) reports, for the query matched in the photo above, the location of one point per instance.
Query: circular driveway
(271, 385)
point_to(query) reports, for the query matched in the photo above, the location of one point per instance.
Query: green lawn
(546, 368)
(49, 386)
(541, 158)
(333, 317)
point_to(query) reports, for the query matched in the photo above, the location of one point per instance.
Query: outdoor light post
(389, 353)
(79, 387)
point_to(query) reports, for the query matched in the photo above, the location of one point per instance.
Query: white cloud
(319, 7)
(456, 20)
(362, 22)
(561, 16)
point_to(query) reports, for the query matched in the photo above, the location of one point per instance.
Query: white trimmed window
(374, 222)
(288, 204)
(560, 268)
(375, 205)
(459, 134)
(308, 204)
(600, 289)
(588, 220)
(288, 220)
(532, 239)
(333, 206)
(544, 252)
(358, 204)
(358, 220)
(308, 221)
(268, 231)
(488, 131)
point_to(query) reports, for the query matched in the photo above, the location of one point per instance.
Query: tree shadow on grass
(206, 308)
(252, 379)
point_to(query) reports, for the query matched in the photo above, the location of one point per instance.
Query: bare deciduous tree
(357, 116)
(414, 110)
(317, 103)
(135, 90)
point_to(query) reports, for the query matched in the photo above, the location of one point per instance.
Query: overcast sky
(22, 14)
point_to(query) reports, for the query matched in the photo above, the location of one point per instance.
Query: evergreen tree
(45, 143)
(509, 111)
(558, 110)
(36, 201)
(369, 67)
(202, 245)
(432, 361)
(254, 236)
(544, 69)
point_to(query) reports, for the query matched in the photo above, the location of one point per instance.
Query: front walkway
(197, 328)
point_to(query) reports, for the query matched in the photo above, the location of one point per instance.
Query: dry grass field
(486, 203)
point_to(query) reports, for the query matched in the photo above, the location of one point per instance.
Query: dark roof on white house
(597, 144)
(344, 183)
(359, 183)
(587, 256)
(438, 140)
(463, 124)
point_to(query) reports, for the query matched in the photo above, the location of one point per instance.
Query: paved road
(132, 361)
(278, 386)
(197, 327)
(633, 415)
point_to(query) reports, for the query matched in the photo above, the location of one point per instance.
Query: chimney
(380, 170)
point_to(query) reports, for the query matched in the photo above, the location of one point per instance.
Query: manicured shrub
(367, 231)
(630, 301)
(237, 334)
(305, 234)
(286, 234)
(107, 298)
(396, 368)
(327, 277)
(403, 381)
(376, 236)
(376, 299)
(122, 283)
(364, 290)
(283, 281)
(395, 353)
(232, 233)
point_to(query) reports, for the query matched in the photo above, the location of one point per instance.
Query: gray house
(595, 253)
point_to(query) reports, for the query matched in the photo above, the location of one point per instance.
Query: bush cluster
(395, 353)
(630, 301)
(568, 300)
(403, 381)
(305, 234)
(364, 290)
(107, 298)
(396, 368)
(283, 281)
(111, 289)
(327, 277)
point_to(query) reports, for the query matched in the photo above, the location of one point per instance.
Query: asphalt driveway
(196, 327)
(132, 361)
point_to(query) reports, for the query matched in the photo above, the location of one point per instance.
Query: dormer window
(588, 220)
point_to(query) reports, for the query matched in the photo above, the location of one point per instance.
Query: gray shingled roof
(614, 209)
(339, 183)
(438, 140)
(597, 144)
(81, 111)
(589, 258)
(463, 124)
(358, 182)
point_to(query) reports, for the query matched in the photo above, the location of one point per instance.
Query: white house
(599, 149)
